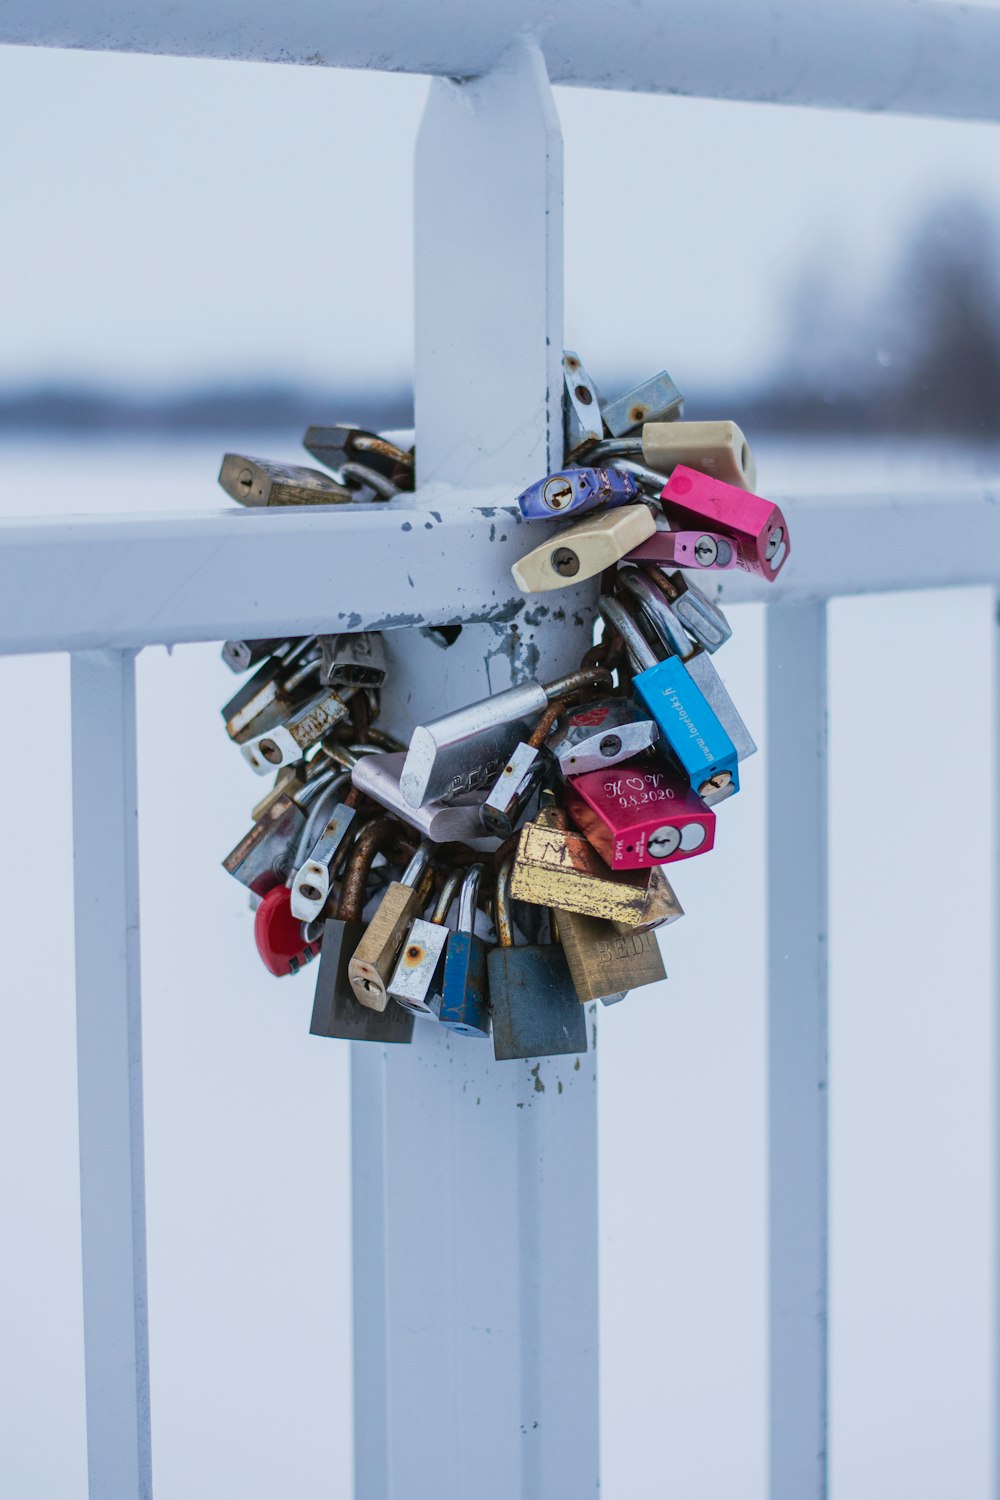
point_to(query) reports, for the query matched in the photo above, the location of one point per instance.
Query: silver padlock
(456, 821)
(582, 421)
(601, 734)
(655, 400)
(698, 620)
(289, 741)
(415, 982)
(468, 748)
(355, 659)
(271, 693)
(314, 876)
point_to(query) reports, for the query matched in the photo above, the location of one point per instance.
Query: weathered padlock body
(415, 981)
(534, 1006)
(557, 867)
(584, 550)
(582, 422)
(601, 734)
(314, 877)
(353, 659)
(336, 1011)
(640, 814)
(261, 481)
(655, 400)
(375, 958)
(288, 742)
(718, 449)
(465, 1004)
(604, 963)
(262, 857)
(756, 525)
(339, 445)
(573, 492)
(263, 700)
(508, 798)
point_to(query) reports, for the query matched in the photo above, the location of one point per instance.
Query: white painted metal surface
(475, 1183)
(911, 56)
(109, 1052)
(797, 1048)
(209, 575)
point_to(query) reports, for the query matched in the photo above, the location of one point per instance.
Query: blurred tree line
(921, 355)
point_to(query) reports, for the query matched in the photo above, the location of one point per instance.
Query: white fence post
(797, 1048)
(475, 1182)
(109, 1069)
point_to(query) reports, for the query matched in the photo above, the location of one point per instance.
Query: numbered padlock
(534, 1007)
(655, 400)
(584, 550)
(336, 1010)
(639, 814)
(467, 749)
(416, 979)
(688, 726)
(573, 492)
(465, 1006)
(353, 660)
(375, 957)
(756, 525)
(289, 741)
(601, 734)
(261, 481)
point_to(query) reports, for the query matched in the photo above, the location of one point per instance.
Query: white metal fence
(510, 1314)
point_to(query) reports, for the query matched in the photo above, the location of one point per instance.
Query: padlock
(289, 741)
(718, 449)
(655, 400)
(353, 660)
(604, 964)
(640, 814)
(756, 525)
(601, 734)
(576, 491)
(663, 905)
(314, 876)
(508, 798)
(709, 551)
(466, 749)
(584, 550)
(273, 692)
(453, 822)
(556, 866)
(689, 729)
(582, 423)
(650, 588)
(289, 781)
(336, 1011)
(700, 616)
(416, 979)
(278, 934)
(375, 956)
(260, 481)
(534, 1007)
(465, 1004)
(344, 445)
(240, 656)
(263, 857)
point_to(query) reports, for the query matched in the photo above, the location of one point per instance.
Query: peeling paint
(559, 1086)
(535, 1073)
(436, 514)
(406, 526)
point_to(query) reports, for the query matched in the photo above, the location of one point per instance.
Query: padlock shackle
(373, 839)
(469, 899)
(641, 653)
(418, 864)
(542, 729)
(442, 905)
(657, 610)
(501, 904)
(575, 682)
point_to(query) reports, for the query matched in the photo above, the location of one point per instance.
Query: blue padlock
(465, 1005)
(571, 492)
(687, 724)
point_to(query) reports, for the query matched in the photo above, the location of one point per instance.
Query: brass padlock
(554, 866)
(582, 551)
(603, 963)
(375, 956)
(260, 481)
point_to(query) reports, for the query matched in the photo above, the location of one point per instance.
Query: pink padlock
(640, 814)
(756, 525)
(707, 550)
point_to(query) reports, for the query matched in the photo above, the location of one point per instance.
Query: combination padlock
(336, 1010)
(639, 814)
(756, 525)
(260, 481)
(584, 550)
(465, 1006)
(454, 822)
(281, 943)
(533, 1002)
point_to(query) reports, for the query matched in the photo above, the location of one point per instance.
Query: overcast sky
(168, 220)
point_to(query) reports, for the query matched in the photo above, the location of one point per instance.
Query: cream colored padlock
(584, 550)
(715, 448)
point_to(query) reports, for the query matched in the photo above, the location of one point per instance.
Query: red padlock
(278, 935)
(640, 814)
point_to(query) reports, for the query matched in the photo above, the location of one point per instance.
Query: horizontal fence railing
(906, 56)
(427, 560)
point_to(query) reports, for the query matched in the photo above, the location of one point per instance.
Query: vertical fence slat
(109, 1068)
(797, 1048)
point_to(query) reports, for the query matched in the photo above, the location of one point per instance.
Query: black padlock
(536, 1012)
(336, 1010)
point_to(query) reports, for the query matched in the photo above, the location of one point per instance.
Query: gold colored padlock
(261, 481)
(375, 957)
(604, 963)
(556, 867)
(584, 550)
(715, 448)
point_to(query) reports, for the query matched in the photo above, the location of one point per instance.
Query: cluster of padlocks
(507, 865)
